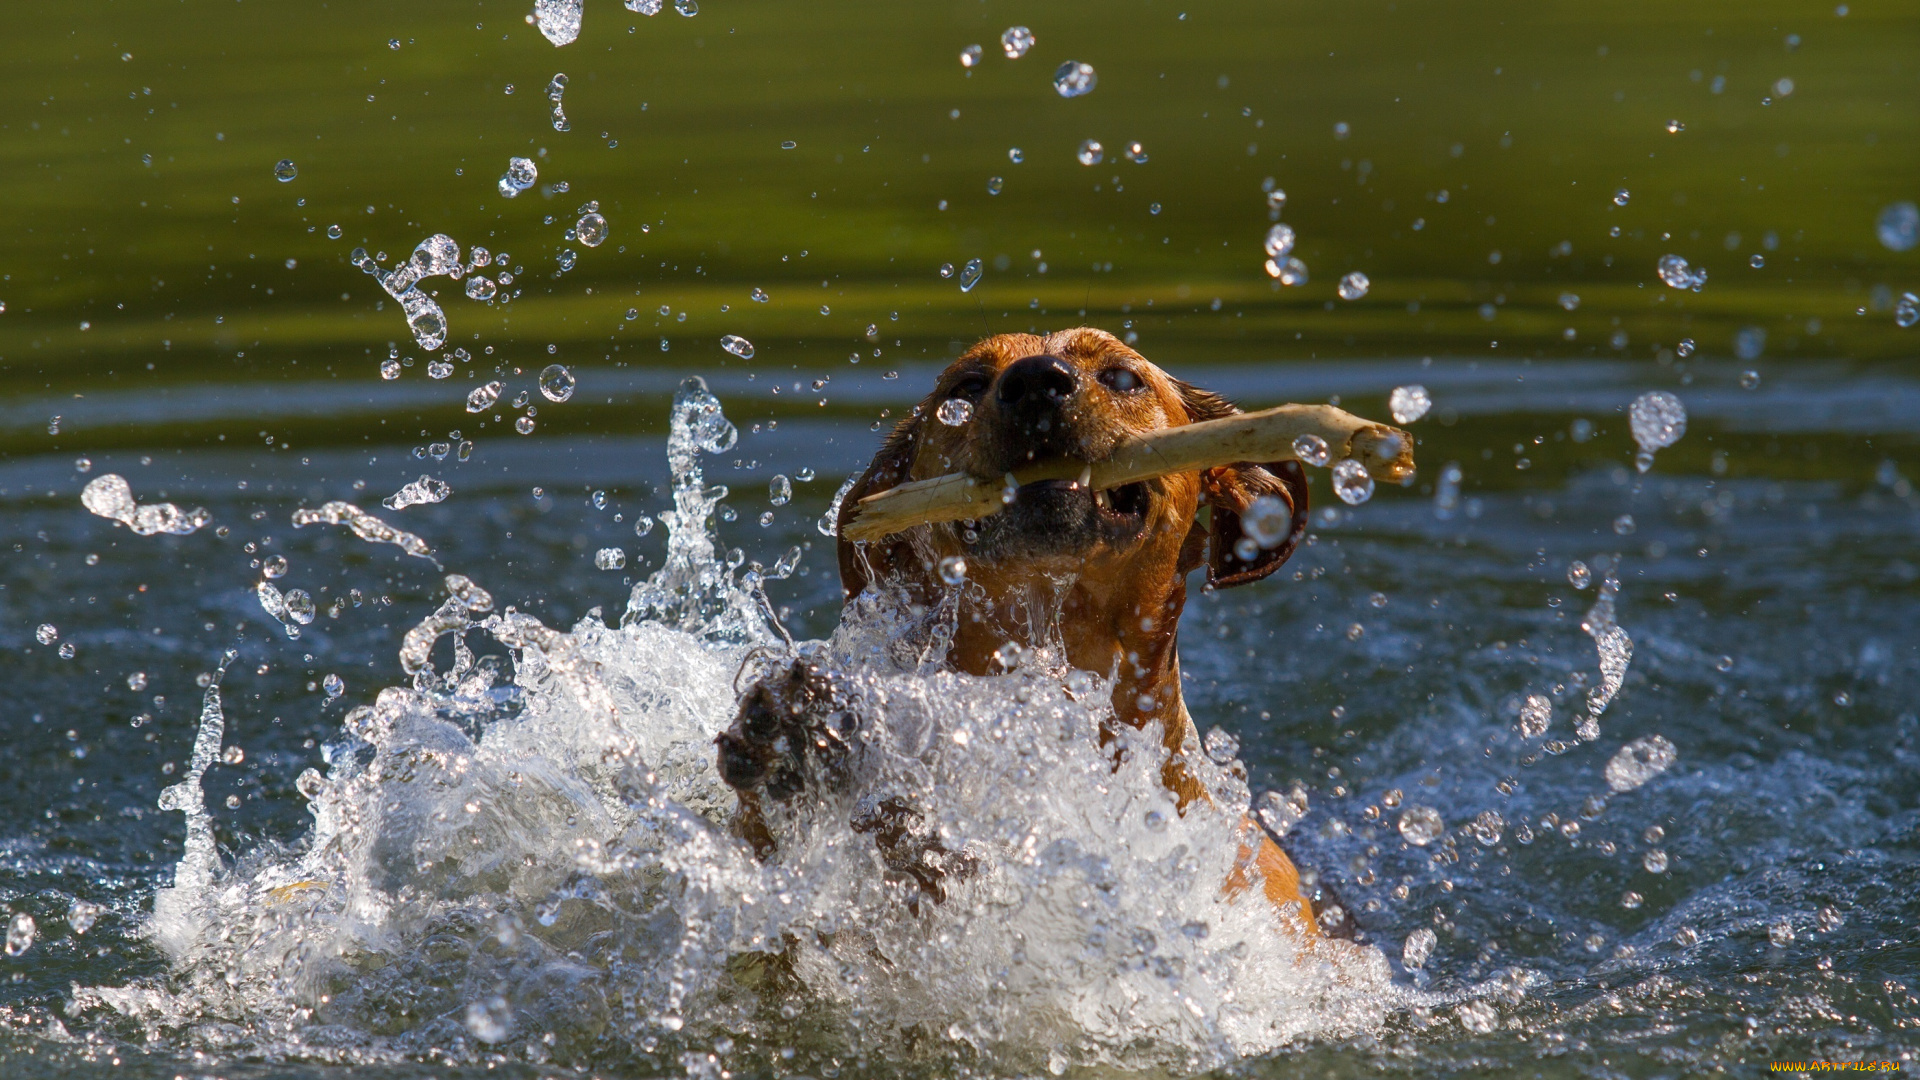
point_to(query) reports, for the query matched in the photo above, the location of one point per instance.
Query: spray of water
(530, 861)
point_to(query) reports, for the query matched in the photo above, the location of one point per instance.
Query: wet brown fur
(1118, 590)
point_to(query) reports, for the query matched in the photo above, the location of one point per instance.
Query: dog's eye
(1120, 379)
(969, 388)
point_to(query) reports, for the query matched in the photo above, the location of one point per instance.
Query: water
(1676, 272)
(1409, 403)
(1750, 900)
(1074, 79)
(1016, 41)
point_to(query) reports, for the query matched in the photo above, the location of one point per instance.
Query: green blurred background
(145, 241)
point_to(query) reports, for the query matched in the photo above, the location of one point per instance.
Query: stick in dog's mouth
(1266, 436)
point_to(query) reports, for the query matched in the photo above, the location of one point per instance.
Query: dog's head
(1017, 399)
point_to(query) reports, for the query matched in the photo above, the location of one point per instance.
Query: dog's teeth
(1100, 499)
(1086, 478)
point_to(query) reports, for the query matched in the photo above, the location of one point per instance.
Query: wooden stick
(1387, 453)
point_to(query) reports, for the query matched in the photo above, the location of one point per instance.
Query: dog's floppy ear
(1230, 490)
(888, 469)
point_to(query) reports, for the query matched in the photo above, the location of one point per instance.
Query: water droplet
(686, 8)
(758, 295)
(1640, 761)
(1569, 301)
(1409, 403)
(1354, 286)
(1091, 152)
(1621, 196)
(521, 174)
(1578, 575)
(610, 558)
(46, 633)
(524, 425)
(1073, 79)
(591, 230)
(274, 567)
(1418, 947)
(953, 569)
(1684, 349)
(970, 56)
(946, 271)
(19, 933)
(1780, 934)
(1279, 812)
(780, 490)
(556, 382)
(1290, 272)
(1757, 260)
(1898, 226)
(1351, 482)
(1655, 861)
(1421, 825)
(82, 914)
(1659, 420)
(333, 685)
(954, 412)
(67, 650)
(642, 524)
(1280, 241)
(738, 346)
(970, 275)
(1016, 156)
(1136, 153)
(439, 369)
(994, 184)
(1677, 274)
(334, 232)
(1749, 380)
(1016, 41)
(491, 1019)
(285, 171)
(1536, 715)
(1907, 311)
(1220, 746)
(1675, 127)
(1488, 826)
(481, 287)
(1268, 521)
(1311, 450)
(483, 397)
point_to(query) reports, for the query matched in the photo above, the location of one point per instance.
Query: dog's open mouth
(1065, 516)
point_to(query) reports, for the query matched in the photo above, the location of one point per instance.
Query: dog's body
(1100, 575)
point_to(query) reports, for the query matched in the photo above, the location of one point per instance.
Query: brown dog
(1103, 572)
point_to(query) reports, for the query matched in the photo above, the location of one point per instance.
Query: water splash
(558, 20)
(364, 525)
(556, 90)
(110, 496)
(1613, 643)
(530, 859)
(435, 256)
(419, 492)
(180, 911)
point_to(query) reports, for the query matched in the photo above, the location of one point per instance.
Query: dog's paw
(790, 735)
(909, 847)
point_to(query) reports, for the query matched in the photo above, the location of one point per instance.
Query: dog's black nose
(1037, 381)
